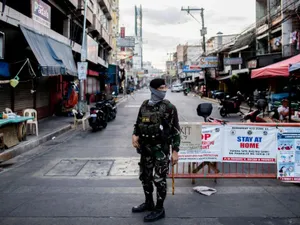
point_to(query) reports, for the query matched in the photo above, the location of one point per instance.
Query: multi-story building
(277, 25)
(49, 34)
(216, 42)
(180, 57)
(114, 31)
(191, 54)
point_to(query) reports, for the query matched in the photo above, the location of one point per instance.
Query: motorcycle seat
(98, 104)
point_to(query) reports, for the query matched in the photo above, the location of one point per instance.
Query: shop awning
(55, 58)
(280, 69)
(294, 67)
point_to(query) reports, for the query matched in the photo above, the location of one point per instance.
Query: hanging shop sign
(208, 62)
(233, 61)
(252, 64)
(126, 42)
(41, 12)
(191, 69)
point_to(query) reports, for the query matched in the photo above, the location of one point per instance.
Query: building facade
(29, 27)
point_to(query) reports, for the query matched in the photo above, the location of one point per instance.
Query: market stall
(13, 131)
(282, 69)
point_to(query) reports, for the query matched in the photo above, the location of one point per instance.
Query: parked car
(177, 88)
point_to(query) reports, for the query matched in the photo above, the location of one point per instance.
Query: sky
(165, 25)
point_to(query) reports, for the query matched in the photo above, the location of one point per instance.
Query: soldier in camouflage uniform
(156, 129)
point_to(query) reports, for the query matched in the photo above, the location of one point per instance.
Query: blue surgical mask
(156, 96)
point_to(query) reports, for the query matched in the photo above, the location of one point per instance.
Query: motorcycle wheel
(94, 128)
(113, 116)
(223, 112)
(104, 124)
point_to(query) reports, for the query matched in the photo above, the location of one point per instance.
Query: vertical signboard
(288, 154)
(82, 68)
(41, 12)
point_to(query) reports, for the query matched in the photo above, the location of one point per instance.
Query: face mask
(156, 96)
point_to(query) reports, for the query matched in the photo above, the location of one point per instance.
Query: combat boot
(155, 215)
(147, 206)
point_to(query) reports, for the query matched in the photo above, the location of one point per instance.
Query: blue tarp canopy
(4, 69)
(294, 67)
(55, 58)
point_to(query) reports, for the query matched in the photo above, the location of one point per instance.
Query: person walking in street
(156, 129)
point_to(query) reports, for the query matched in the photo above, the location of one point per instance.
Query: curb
(28, 145)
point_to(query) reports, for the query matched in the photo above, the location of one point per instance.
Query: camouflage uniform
(157, 127)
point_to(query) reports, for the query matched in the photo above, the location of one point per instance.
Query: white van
(177, 88)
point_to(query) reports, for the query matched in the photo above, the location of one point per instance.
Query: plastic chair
(8, 110)
(82, 120)
(33, 122)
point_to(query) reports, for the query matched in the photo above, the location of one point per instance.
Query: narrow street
(82, 177)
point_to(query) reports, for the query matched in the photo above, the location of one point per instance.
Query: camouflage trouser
(154, 157)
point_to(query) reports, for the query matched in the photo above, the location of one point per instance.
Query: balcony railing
(89, 12)
(96, 24)
(105, 36)
(106, 7)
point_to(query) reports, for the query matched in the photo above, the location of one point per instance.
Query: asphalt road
(91, 178)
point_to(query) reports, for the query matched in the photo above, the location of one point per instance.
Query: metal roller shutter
(42, 92)
(5, 97)
(43, 97)
(23, 96)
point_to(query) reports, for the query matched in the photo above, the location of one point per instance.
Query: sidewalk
(48, 128)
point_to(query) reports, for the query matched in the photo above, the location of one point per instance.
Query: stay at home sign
(251, 144)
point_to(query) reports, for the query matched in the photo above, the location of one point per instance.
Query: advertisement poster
(210, 149)
(288, 154)
(249, 144)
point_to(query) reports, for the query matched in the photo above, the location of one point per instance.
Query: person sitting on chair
(283, 110)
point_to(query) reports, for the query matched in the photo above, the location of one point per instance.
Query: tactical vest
(153, 121)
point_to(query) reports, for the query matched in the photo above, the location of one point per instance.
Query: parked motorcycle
(108, 106)
(231, 105)
(97, 118)
(185, 92)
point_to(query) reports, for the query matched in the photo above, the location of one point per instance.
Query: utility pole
(83, 55)
(204, 29)
(171, 67)
(203, 32)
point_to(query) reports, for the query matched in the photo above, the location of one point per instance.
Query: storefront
(48, 89)
(92, 85)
